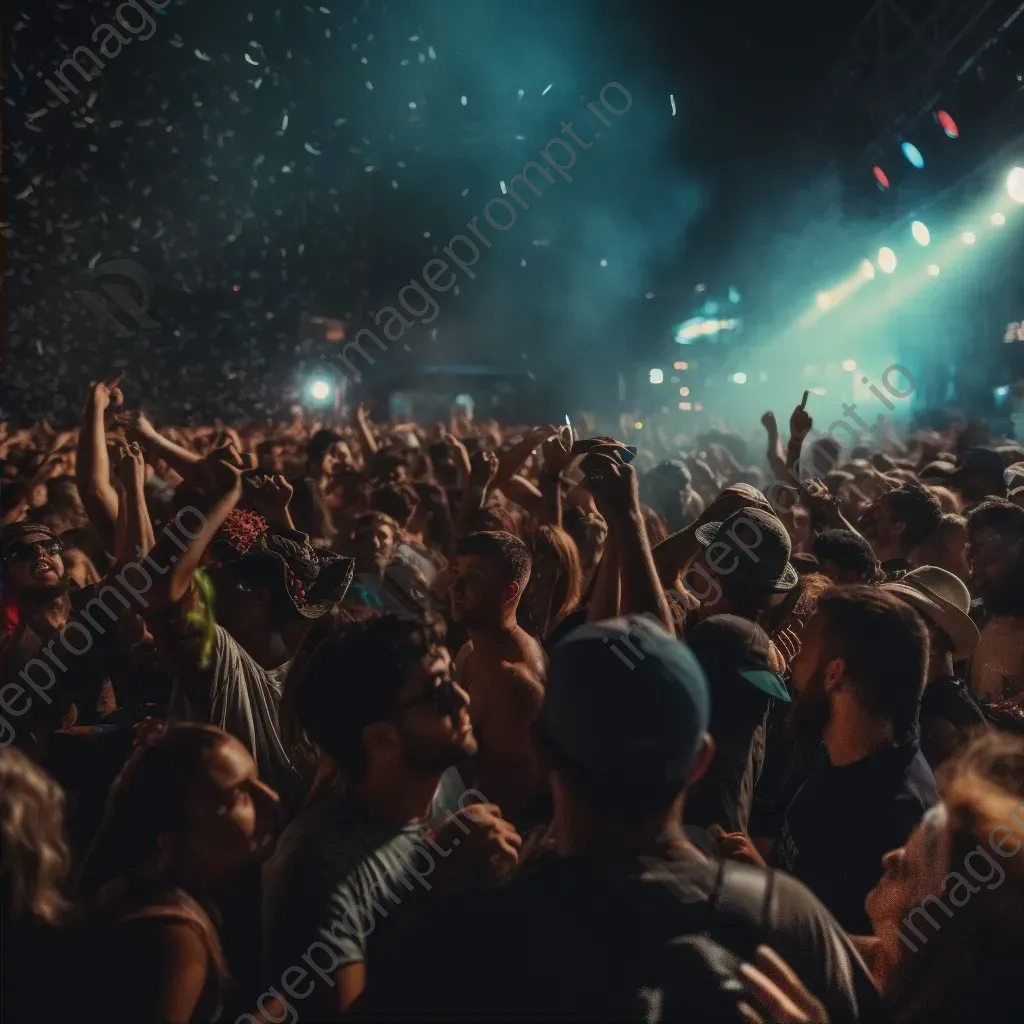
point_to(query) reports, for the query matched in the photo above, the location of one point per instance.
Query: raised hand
(268, 494)
(610, 480)
(223, 471)
(136, 424)
(106, 393)
(481, 843)
(557, 452)
(770, 424)
(131, 466)
(483, 468)
(800, 422)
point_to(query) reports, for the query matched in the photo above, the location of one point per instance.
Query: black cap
(753, 547)
(728, 646)
(627, 703)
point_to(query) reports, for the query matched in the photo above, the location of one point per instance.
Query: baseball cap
(626, 703)
(759, 547)
(728, 646)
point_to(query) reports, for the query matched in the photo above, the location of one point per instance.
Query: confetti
(255, 63)
(311, 149)
(521, 93)
(672, 100)
(202, 56)
(464, 100)
(284, 124)
(369, 85)
(431, 54)
(504, 190)
(547, 90)
(412, 106)
(604, 263)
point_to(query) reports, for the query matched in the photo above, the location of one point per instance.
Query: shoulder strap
(740, 906)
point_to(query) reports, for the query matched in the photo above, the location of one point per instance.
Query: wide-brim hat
(314, 580)
(940, 598)
(763, 566)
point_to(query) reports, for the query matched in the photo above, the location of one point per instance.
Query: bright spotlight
(657, 376)
(998, 219)
(638, 425)
(739, 378)
(824, 301)
(886, 260)
(934, 270)
(1015, 184)
(683, 392)
(969, 238)
(867, 270)
(913, 155)
(849, 365)
(920, 232)
(320, 390)
(947, 124)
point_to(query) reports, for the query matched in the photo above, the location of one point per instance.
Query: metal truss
(903, 55)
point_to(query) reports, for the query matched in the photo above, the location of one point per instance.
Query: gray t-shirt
(335, 877)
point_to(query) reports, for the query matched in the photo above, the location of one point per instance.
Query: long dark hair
(148, 799)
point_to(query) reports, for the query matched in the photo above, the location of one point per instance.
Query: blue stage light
(913, 154)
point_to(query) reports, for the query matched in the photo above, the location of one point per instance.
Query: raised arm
(134, 530)
(93, 464)
(614, 486)
(138, 428)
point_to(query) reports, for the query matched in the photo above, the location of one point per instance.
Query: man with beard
(897, 523)
(859, 678)
(54, 665)
(996, 552)
(377, 697)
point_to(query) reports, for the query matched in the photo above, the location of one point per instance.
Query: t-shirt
(335, 877)
(244, 700)
(588, 939)
(843, 819)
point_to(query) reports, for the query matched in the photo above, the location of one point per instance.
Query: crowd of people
(310, 721)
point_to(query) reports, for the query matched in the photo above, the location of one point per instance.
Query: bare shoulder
(521, 686)
(531, 653)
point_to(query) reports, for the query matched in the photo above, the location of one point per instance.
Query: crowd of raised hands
(392, 620)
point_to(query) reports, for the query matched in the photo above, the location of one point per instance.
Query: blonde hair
(969, 969)
(34, 859)
(553, 544)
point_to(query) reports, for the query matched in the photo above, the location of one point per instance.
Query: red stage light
(880, 177)
(948, 125)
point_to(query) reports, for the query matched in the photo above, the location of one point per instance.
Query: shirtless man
(501, 666)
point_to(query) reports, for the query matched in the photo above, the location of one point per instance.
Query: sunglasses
(442, 696)
(26, 551)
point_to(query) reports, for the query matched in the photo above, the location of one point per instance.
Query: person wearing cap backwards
(736, 657)
(859, 677)
(948, 710)
(630, 921)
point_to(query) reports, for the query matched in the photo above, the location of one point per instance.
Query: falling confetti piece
(604, 263)
(546, 90)
(421, 57)
(504, 190)
(431, 54)
(522, 263)
(369, 85)
(414, 39)
(465, 192)
(370, 168)
(202, 56)
(394, 184)
(255, 63)
(311, 149)
(25, 193)
(520, 138)
(521, 93)
(177, 43)
(257, 83)
(412, 106)
(649, 295)
(672, 100)
(42, 111)
(464, 101)
(284, 124)
(426, 234)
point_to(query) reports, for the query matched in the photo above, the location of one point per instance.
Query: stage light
(685, 406)
(913, 155)
(824, 301)
(880, 176)
(1015, 184)
(998, 219)
(1002, 392)
(849, 365)
(683, 392)
(739, 378)
(657, 376)
(920, 232)
(934, 270)
(320, 390)
(886, 260)
(969, 238)
(680, 366)
(867, 270)
(947, 124)
(638, 425)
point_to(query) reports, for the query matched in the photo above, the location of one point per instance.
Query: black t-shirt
(949, 698)
(586, 939)
(842, 821)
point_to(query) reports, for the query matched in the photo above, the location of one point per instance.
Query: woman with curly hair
(34, 862)
(185, 818)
